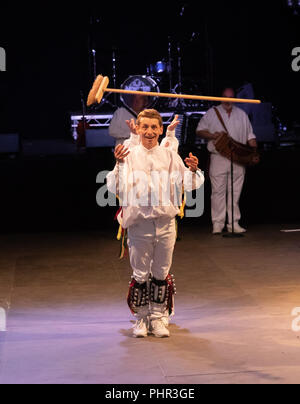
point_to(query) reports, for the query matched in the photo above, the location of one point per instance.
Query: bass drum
(139, 83)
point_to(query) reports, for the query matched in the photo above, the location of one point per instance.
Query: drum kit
(164, 75)
(139, 83)
(158, 76)
(147, 83)
(100, 87)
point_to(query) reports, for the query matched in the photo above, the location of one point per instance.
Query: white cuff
(134, 139)
(251, 136)
(171, 133)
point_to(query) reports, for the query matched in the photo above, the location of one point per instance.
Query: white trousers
(220, 176)
(151, 245)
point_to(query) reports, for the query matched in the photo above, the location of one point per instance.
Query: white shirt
(237, 124)
(118, 127)
(150, 183)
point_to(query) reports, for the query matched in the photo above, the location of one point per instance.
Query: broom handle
(188, 97)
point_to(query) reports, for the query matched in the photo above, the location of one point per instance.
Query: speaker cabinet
(96, 138)
(10, 143)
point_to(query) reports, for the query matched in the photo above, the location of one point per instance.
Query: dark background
(48, 53)
(49, 62)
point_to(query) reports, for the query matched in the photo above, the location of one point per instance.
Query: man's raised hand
(132, 126)
(174, 124)
(121, 152)
(192, 162)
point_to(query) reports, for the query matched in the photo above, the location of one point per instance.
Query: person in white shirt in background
(118, 128)
(240, 129)
(149, 180)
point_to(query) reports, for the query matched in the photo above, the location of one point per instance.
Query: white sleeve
(191, 180)
(205, 121)
(115, 179)
(249, 128)
(170, 141)
(118, 127)
(132, 142)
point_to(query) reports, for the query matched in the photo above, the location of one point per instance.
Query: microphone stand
(232, 234)
(181, 105)
(81, 141)
(104, 101)
(179, 68)
(114, 66)
(94, 64)
(170, 64)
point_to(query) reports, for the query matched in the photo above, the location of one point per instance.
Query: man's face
(228, 93)
(149, 130)
(140, 102)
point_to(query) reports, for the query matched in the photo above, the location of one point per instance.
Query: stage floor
(67, 319)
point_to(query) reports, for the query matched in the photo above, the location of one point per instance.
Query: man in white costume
(240, 129)
(149, 180)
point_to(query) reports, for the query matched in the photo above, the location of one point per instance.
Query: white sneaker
(237, 228)
(140, 329)
(218, 228)
(159, 329)
(166, 318)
